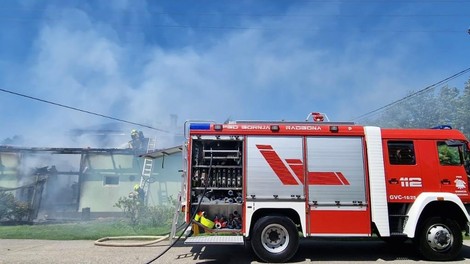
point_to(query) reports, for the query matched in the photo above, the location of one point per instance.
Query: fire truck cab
(274, 182)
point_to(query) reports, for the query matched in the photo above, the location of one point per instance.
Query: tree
(447, 106)
(413, 112)
(443, 106)
(463, 111)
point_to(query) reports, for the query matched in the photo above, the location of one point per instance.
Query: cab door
(452, 175)
(406, 161)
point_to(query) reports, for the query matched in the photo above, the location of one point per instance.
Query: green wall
(94, 192)
(167, 175)
(9, 163)
(101, 197)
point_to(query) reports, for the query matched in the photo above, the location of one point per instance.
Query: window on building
(401, 153)
(111, 180)
(449, 154)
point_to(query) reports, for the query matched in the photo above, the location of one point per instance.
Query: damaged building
(64, 183)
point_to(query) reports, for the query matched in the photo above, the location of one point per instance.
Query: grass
(85, 230)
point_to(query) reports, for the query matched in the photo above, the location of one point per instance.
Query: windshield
(466, 157)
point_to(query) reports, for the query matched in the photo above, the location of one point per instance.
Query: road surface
(49, 251)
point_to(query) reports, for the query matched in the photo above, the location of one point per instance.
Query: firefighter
(136, 142)
(134, 133)
(405, 156)
(139, 192)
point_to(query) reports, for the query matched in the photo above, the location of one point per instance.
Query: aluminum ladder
(147, 168)
(181, 196)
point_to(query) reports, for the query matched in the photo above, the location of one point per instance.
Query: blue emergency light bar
(200, 126)
(442, 127)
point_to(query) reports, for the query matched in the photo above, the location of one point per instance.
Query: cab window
(449, 154)
(401, 152)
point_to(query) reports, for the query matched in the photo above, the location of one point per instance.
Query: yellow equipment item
(207, 223)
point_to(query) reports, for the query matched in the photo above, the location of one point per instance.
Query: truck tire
(439, 239)
(275, 239)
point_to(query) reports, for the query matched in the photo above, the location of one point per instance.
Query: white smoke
(278, 67)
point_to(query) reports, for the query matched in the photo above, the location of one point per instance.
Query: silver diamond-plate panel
(214, 240)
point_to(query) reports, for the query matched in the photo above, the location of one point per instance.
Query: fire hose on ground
(156, 239)
(153, 240)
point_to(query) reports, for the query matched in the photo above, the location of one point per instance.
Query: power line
(197, 13)
(413, 94)
(81, 110)
(187, 14)
(274, 28)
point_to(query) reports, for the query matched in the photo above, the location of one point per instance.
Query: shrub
(11, 209)
(6, 204)
(141, 215)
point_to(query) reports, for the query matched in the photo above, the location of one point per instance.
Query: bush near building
(12, 209)
(141, 215)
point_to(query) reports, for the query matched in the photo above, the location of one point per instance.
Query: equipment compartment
(217, 183)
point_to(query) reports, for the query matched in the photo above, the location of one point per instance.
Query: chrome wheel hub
(439, 237)
(275, 238)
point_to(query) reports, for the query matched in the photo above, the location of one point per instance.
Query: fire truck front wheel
(439, 239)
(275, 239)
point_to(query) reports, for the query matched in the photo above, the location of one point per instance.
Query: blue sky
(143, 61)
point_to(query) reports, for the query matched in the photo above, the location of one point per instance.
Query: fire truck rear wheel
(275, 239)
(439, 239)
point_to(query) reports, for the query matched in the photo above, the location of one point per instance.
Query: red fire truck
(272, 183)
